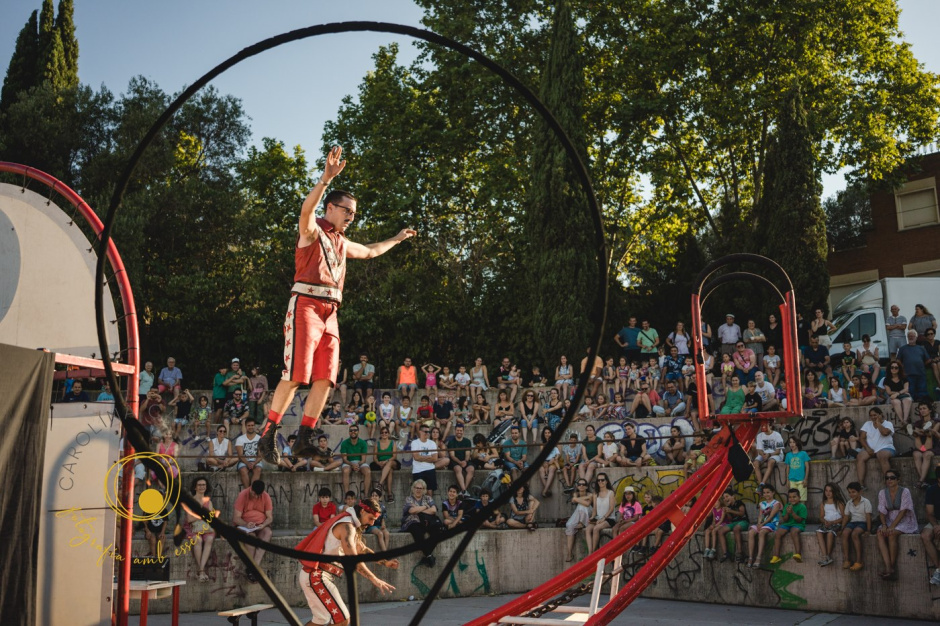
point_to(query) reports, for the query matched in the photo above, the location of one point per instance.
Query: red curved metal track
(705, 485)
(131, 342)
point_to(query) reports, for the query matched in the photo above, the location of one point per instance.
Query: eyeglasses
(349, 211)
(222, 430)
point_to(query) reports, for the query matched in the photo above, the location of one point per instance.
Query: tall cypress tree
(561, 270)
(52, 63)
(792, 223)
(65, 25)
(21, 73)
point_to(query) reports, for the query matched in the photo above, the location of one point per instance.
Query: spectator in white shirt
(766, 391)
(877, 441)
(219, 459)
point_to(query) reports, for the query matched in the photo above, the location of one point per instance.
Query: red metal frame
(707, 483)
(131, 368)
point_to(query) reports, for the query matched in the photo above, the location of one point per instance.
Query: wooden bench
(234, 615)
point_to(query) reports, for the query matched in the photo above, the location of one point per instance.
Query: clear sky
(289, 92)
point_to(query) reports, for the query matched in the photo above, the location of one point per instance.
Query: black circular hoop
(136, 433)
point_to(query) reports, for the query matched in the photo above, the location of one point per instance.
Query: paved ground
(643, 612)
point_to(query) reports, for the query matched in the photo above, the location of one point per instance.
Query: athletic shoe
(776, 559)
(306, 441)
(826, 561)
(267, 447)
(935, 579)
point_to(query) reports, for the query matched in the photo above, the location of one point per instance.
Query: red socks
(275, 417)
(309, 421)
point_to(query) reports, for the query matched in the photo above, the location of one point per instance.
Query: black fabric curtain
(25, 397)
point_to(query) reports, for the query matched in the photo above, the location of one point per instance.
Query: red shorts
(311, 340)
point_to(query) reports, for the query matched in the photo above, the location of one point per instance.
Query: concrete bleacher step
(516, 561)
(815, 429)
(294, 494)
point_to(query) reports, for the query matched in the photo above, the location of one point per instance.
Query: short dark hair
(796, 491)
(486, 492)
(350, 493)
(855, 486)
(338, 194)
(324, 493)
(258, 487)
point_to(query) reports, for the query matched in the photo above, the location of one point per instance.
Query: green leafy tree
(848, 217)
(21, 72)
(793, 223)
(561, 268)
(65, 25)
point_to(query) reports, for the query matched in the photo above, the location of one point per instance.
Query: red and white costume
(311, 333)
(317, 579)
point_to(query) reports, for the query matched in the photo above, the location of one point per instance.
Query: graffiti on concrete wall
(484, 587)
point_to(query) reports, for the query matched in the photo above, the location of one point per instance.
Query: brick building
(904, 239)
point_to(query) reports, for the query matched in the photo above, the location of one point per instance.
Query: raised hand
(334, 164)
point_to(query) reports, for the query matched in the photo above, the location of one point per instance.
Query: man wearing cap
(338, 536)
(235, 380)
(729, 334)
(311, 332)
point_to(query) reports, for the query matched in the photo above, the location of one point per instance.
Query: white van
(863, 311)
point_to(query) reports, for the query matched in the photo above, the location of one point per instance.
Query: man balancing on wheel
(340, 535)
(311, 333)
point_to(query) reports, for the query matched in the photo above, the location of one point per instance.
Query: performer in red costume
(311, 333)
(338, 535)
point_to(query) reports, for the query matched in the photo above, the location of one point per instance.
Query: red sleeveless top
(324, 261)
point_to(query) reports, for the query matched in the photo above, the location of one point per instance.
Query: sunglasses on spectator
(582, 484)
(890, 477)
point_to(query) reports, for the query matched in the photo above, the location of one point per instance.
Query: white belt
(324, 292)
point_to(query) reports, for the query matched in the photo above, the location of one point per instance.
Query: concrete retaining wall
(294, 494)
(511, 561)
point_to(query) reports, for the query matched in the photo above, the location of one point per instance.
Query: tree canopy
(705, 124)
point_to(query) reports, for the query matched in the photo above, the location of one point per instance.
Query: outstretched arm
(348, 541)
(371, 250)
(308, 223)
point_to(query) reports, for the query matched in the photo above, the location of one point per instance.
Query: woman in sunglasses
(896, 510)
(584, 505)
